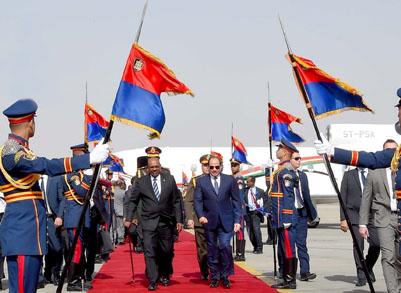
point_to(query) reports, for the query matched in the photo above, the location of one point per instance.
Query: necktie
(216, 185)
(156, 189)
(254, 199)
(298, 193)
(363, 176)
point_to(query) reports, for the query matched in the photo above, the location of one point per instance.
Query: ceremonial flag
(280, 125)
(114, 163)
(239, 151)
(328, 95)
(184, 178)
(138, 100)
(95, 125)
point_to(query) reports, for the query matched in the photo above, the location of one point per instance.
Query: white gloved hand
(324, 147)
(269, 163)
(99, 154)
(286, 225)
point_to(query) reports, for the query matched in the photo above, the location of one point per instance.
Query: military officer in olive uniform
(23, 228)
(193, 221)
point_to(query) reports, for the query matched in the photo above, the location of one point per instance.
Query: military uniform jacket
(282, 196)
(23, 228)
(75, 187)
(189, 201)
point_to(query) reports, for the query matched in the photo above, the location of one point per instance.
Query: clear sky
(224, 50)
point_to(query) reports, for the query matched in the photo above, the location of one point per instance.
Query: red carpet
(115, 275)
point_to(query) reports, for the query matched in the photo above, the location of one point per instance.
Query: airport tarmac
(331, 259)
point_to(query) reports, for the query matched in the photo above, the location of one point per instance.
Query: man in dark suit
(306, 211)
(253, 197)
(351, 192)
(161, 214)
(217, 205)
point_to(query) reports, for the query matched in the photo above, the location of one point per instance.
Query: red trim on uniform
(67, 165)
(23, 119)
(354, 158)
(20, 267)
(78, 250)
(287, 244)
(84, 185)
(398, 194)
(240, 233)
(288, 212)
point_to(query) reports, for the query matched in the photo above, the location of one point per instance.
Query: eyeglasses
(214, 167)
(234, 165)
(297, 159)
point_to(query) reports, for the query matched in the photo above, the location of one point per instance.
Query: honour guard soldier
(23, 228)
(108, 195)
(380, 159)
(75, 187)
(193, 221)
(284, 217)
(239, 236)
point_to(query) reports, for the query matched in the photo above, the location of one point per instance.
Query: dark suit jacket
(309, 207)
(351, 194)
(55, 195)
(223, 208)
(168, 209)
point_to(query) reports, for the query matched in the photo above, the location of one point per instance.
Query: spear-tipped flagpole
(94, 182)
(271, 177)
(308, 104)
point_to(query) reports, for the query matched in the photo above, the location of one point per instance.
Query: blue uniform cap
(399, 95)
(21, 111)
(288, 145)
(82, 146)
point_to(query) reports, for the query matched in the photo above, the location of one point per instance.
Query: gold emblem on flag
(138, 64)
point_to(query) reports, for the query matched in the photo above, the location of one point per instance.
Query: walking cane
(132, 260)
(274, 253)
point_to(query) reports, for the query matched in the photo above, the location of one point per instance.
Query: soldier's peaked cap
(153, 151)
(399, 95)
(141, 162)
(288, 145)
(21, 111)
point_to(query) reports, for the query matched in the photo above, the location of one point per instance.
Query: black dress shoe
(226, 283)
(285, 285)
(41, 285)
(214, 284)
(165, 281)
(239, 257)
(152, 287)
(360, 283)
(258, 251)
(308, 276)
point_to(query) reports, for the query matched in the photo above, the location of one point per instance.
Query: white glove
(99, 153)
(324, 147)
(286, 225)
(269, 163)
(88, 172)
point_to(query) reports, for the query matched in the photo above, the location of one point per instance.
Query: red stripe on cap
(17, 120)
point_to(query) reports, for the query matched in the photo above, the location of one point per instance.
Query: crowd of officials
(40, 214)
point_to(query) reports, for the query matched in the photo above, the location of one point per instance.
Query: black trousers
(255, 234)
(54, 256)
(159, 251)
(92, 247)
(373, 250)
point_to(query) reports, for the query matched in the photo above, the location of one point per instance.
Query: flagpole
(94, 182)
(271, 177)
(308, 105)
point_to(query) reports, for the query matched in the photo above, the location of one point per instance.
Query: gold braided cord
(395, 159)
(26, 185)
(72, 191)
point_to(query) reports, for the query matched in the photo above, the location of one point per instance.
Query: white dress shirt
(298, 205)
(251, 199)
(212, 180)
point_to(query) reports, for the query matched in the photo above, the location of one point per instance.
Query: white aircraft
(185, 160)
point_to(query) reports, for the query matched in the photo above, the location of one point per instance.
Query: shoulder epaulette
(11, 147)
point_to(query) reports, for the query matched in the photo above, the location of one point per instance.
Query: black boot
(289, 274)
